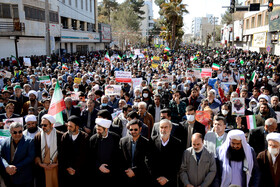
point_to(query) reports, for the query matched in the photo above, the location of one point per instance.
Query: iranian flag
(251, 122)
(268, 66)
(242, 77)
(64, 66)
(57, 105)
(166, 49)
(107, 57)
(253, 77)
(45, 80)
(77, 63)
(215, 66)
(119, 57)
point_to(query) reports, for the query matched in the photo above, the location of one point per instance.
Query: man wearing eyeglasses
(134, 152)
(17, 154)
(47, 152)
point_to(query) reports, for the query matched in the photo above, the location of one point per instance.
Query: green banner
(274, 20)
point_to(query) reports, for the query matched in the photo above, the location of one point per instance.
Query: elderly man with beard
(33, 95)
(166, 155)
(236, 163)
(74, 151)
(104, 152)
(31, 126)
(198, 166)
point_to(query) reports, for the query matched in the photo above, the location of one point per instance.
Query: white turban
(262, 96)
(33, 92)
(103, 122)
(30, 118)
(49, 117)
(273, 136)
(248, 162)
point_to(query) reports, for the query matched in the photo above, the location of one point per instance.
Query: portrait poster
(238, 106)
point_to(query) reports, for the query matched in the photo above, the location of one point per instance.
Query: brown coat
(39, 173)
(269, 173)
(148, 119)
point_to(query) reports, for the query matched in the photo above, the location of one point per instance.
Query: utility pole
(47, 23)
(232, 30)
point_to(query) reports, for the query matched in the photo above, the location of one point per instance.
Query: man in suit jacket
(269, 161)
(256, 137)
(155, 108)
(198, 166)
(70, 109)
(166, 155)
(88, 117)
(74, 151)
(135, 149)
(191, 126)
(17, 155)
(177, 129)
(214, 139)
(19, 98)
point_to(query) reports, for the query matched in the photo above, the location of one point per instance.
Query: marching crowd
(149, 134)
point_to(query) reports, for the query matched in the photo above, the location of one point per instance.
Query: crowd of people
(148, 134)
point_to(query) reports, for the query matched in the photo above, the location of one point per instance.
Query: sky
(197, 8)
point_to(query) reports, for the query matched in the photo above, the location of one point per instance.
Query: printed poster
(238, 106)
(123, 76)
(113, 90)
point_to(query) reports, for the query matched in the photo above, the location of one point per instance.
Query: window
(259, 20)
(37, 14)
(247, 24)
(266, 19)
(76, 3)
(6, 9)
(253, 22)
(15, 11)
(82, 4)
(90, 5)
(70, 2)
(86, 5)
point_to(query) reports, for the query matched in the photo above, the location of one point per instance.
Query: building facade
(147, 23)
(73, 27)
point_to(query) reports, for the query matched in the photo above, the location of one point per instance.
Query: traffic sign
(268, 49)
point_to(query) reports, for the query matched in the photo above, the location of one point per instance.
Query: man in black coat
(74, 151)
(104, 153)
(155, 108)
(257, 137)
(166, 156)
(135, 149)
(191, 126)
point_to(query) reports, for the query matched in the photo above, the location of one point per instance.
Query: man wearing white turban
(237, 164)
(269, 161)
(33, 102)
(104, 152)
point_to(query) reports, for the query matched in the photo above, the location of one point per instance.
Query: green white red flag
(215, 66)
(107, 57)
(251, 122)
(57, 105)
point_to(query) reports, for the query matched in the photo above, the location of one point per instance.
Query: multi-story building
(147, 23)
(196, 22)
(73, 27)
(261, 28)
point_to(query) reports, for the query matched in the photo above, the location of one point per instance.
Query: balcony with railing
(11, 28)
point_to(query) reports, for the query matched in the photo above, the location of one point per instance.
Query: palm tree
(173, 13)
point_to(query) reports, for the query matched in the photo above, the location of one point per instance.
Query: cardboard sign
(45, 80)
(238, 106)
(136, 82)
(26, 62)
(123, 76)
(77, 80)
(113, 90)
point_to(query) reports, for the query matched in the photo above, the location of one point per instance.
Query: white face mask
(190, 117)
(273, 151)
(145, 95)
(224, 112)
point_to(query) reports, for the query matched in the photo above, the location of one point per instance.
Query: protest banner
(5, 73)
(77, 80)
(136, 82)
(4, 133)
(167, 78)
(231, 60)
(26, 62)
(199, 72)
(8, 122)
(45, 80)
(123, 76)
(113, 90)
(238, 106)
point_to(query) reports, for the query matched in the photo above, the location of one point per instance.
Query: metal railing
(11, 26)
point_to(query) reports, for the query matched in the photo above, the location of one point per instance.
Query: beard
(235, 155)
(32, 130)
